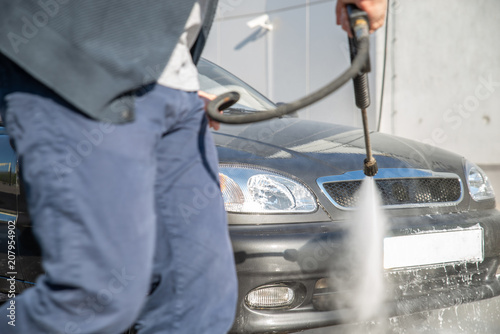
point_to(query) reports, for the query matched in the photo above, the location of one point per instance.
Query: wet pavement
(475, 318)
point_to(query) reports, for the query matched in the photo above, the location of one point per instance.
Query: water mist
(366, 249)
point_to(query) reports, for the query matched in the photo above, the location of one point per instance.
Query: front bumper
(298, 255)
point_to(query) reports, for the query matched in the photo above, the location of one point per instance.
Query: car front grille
(421, 188)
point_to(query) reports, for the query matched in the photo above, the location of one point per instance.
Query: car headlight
(479, 186)
(252, 190)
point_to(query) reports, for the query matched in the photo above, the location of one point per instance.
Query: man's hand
(376, 10)
(207, 97)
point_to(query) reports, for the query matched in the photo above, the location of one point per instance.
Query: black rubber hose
(228, 99)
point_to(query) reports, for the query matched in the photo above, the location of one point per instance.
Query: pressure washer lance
(360, 29)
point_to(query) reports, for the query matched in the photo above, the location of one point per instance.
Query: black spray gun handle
(358, 20)
(359, 23)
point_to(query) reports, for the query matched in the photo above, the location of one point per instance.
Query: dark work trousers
(129, 217)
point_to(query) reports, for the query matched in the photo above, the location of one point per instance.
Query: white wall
(444, 76)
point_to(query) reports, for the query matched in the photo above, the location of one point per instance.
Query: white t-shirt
(180, 72)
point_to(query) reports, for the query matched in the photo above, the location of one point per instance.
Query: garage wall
(443, 77)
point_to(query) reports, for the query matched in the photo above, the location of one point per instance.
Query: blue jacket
(96, 53)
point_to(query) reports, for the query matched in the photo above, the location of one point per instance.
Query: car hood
(317, 149)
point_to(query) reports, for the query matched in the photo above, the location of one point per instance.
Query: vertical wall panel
(446, 80)
(289, 52)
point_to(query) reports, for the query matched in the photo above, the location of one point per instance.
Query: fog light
(270, 296)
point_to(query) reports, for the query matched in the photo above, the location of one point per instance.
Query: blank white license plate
(434, 248)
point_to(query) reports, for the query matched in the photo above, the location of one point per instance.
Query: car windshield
(215, 80)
